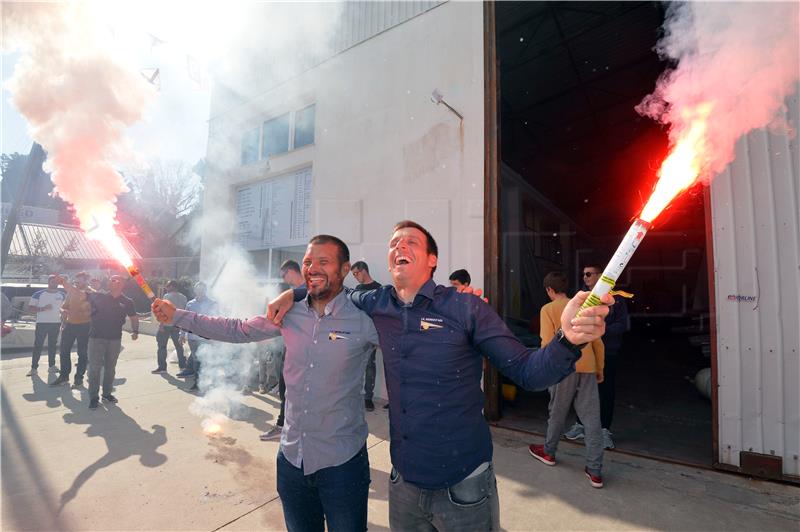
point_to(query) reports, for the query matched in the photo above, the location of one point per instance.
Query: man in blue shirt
(202, 304)
(433, 339)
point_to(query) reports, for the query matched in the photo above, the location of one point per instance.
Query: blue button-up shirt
(326, 357)
(201, 305)
(432, 354)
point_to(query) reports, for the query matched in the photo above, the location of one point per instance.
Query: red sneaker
(595, 480)
(537, 451)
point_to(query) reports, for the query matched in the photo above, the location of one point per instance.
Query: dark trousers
(164, 334)
(194, 362)
(334, 495)
(606, 389)
(369, 377)
(74, 332)
(49, 331)
(282, 395)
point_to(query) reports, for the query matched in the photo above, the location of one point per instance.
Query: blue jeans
(335, 494)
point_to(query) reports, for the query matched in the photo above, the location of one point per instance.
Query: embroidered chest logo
(338, 335)
(425, 324)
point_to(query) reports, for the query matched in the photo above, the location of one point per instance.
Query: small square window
(250, 147)
(276, 136)
(304, 127)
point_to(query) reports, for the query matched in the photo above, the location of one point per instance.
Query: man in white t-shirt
(47, 306)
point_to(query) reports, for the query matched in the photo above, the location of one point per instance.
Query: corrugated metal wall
(362, 20)
(755, 211)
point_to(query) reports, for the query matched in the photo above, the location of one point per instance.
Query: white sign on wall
(274, 213)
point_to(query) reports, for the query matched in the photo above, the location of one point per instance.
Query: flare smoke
(740, 59)
(78, 96)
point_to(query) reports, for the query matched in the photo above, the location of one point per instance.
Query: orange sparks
(212, 428)
(682, 167)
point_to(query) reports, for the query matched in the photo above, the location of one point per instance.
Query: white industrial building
(358, 141)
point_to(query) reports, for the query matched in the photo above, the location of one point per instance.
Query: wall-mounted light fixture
(437, 98)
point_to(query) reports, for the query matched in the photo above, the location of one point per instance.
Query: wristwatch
(562, 339)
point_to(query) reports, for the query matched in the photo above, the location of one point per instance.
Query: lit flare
(683, 166)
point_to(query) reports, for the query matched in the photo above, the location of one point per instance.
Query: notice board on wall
(274, 212)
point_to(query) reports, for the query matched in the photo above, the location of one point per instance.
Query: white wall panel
(755, 209)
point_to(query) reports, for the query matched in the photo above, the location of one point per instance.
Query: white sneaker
(272, 434)
(575, 432)
(608, 443)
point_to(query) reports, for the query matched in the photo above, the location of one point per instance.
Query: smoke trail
(735, 61)
(227, 368)
(78, 95)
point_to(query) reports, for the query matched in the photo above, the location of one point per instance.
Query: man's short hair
(172, 284)
(593, 265)
(289, 265)
(360, 266)
(433, 249)
(462, 276)
(82, 274)
(344, 252)
(557, 281)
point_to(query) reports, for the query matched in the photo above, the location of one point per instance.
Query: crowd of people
(320, 343)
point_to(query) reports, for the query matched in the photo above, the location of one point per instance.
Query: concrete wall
(755, 209)
(383, 150)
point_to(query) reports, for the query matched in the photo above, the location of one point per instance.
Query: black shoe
(158, 370)
(60, 380)
(78, 384)
(93, 404)
(185, 373)
(369, 406)
(110, 398)
(193, 387)
(386, 406)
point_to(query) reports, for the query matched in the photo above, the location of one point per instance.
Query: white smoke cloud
(78, 92)
(739, 58)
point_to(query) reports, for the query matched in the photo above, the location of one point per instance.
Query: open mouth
(402, 260)
(316, 280)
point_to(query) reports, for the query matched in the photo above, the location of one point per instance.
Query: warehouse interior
(582, 163)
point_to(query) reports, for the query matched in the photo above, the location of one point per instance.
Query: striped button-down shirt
(326, 357)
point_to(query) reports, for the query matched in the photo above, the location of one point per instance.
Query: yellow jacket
(592, 355)
(77, 307)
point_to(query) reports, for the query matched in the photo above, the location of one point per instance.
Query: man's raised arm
(216, 328)
(535, 369)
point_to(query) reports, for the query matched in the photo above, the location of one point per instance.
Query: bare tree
(166, 188)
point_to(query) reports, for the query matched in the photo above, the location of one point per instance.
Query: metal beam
(34, 164)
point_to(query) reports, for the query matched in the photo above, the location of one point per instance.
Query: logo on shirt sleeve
(338, 335)
(426, 324)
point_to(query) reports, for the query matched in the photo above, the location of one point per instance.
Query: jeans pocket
(470, 492)
(394, 476)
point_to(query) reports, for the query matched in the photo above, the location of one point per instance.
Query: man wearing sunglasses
(616, 325)
(108, 313)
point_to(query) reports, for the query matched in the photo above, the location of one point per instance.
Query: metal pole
(35, 159)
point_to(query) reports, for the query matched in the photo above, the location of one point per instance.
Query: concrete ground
(145, 464)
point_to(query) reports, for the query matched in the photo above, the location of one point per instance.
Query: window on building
(304, 127)
(250, 147)
(276, 136)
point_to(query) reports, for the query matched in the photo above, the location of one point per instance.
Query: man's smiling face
(409, 260)
(322, 271)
